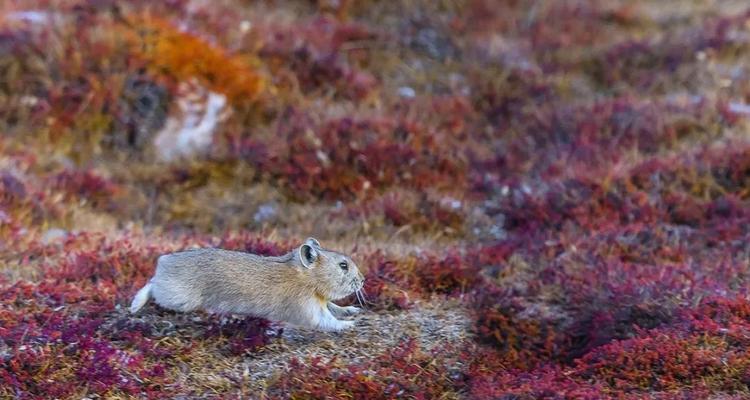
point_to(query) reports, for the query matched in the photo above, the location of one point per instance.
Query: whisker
(362, 293)
(364, 298)
(359, 300)
(362, 303)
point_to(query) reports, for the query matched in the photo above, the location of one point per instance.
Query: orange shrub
(184, 55)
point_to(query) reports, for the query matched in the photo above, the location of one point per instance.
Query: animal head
(336, 275)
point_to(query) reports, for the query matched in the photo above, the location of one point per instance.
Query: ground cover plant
(549, 199)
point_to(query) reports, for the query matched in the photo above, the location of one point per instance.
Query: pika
(297, 288)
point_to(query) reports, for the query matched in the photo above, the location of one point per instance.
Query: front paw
(334, 325)
(344, 325)
(350, 310)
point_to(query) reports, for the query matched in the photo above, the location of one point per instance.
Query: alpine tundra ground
(550, 199)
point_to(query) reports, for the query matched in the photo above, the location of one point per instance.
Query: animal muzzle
(358, 282)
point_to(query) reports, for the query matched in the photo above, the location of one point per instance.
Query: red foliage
(84, 185)
(345, 157)
(246, 335)
(57, 332)
(57, 342)
(598, 144)
(640, 63)
(523, 343)
(422, 274)
(405, 371)
(313, 53)
(706, 353)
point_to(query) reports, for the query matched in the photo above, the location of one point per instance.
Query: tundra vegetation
(549, 199)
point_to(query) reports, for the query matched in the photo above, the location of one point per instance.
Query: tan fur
(297, 287)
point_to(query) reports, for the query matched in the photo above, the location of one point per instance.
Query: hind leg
(175, 297)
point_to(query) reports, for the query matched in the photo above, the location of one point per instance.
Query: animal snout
(358, 282)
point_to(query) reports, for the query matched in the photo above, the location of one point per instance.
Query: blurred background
(353, 119)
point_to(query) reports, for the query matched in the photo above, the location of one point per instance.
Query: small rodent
(297, 287)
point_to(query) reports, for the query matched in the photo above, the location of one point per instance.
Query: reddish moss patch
(403, 371)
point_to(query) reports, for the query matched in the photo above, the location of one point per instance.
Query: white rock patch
(190, 130)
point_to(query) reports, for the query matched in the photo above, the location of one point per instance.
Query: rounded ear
(307, 255)
(312, 242)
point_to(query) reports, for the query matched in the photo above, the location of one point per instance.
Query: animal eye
(344, 265)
